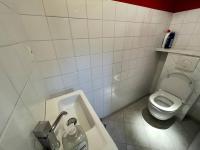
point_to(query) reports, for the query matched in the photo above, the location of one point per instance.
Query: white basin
(78, 106)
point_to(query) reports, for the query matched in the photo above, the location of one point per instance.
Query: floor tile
(131, 147)
(136, 134)
(117, 116)
(116, 131)
(129, 127)
(120, 146)
(139, 105)
(196, 143)
(189, 124)
(132, 116)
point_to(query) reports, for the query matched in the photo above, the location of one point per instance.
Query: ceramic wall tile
(19, 131)
(55, 8)
(108, 44)
(81, 47)
(59, 28)
(121, 11)
(84, 75)
(33, 102)
(49, 68)
(67, 65)
(108, 10)
(9, 97)
(96, 60)
(94, 9)
(53, 85)
(95, 28)
(36, 27)
(64, 48)
(43, 50)
(97, 73)
(12, 30)
(77, 8)
(32, 7)
(71, 80)
(108, 28)
(83, 62)
(14, 68)
(79, 28)
(96, 45)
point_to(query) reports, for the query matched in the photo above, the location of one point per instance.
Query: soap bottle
(168, 40)
(74, 138)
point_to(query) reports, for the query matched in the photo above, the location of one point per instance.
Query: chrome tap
(44, 132)
(53, 127)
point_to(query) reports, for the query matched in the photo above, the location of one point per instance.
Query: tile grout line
(54, 47)
(102, 76)
(73, 45)
(13, 110)
(115, 9)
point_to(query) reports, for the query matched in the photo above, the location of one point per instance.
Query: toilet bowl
(174, 91)
(163, 105)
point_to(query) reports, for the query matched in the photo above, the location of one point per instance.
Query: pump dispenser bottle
(74, 138)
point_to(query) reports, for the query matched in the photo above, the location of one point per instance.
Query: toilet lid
(165, 101)
(177, 84)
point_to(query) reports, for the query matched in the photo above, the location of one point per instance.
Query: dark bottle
(168, 40)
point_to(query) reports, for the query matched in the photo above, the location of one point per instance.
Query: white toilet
(174, 91)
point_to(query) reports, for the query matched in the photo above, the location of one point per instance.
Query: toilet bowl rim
(174, 107)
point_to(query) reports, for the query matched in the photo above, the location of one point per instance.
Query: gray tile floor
(131, 131)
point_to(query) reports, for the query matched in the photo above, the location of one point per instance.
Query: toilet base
(158, 114)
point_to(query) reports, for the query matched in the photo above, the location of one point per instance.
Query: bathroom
(105, 59)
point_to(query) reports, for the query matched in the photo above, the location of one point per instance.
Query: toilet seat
(166, 98)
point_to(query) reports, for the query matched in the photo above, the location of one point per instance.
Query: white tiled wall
(187, 26)
(103, 47)
(99, 46)
(107, 46)
(22, 94)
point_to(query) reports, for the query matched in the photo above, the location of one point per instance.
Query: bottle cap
(71, 129)
(72, 121)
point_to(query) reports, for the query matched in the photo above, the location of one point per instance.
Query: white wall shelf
(180, 51)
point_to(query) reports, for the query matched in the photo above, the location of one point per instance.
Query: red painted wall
(166, 5)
